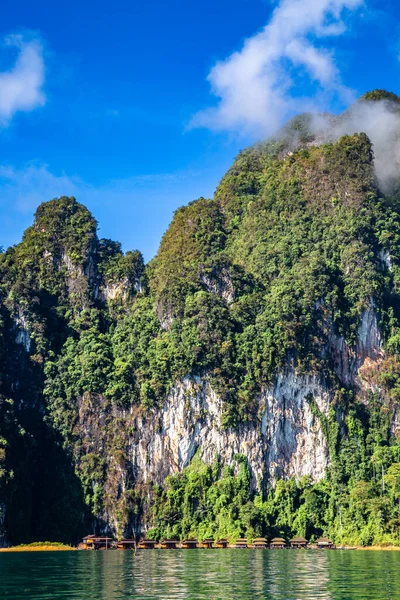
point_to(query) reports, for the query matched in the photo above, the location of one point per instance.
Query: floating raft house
(126, 544)
(147, 544)
(207, 543)
(241, 543)
(298, 542)
(95, 542)
(222, 543)
(325, 544)
(278, 544)
(169, 544)
(189, 544)
(104, 543)
(88, 542)
(260, 543)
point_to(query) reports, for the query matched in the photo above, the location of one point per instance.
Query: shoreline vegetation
(58, 546)
(38, 547)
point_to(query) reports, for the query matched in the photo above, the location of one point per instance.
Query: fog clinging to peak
(380, 120)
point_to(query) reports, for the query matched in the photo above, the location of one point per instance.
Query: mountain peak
(378, 95)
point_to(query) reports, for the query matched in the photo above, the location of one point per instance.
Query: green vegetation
(38, 544)
(281, 263)
(358, 503)
(37, 547)
(377, 95)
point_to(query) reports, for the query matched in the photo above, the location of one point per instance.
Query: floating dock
(93, 542)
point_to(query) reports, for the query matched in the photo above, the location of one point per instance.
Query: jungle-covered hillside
(274, 274)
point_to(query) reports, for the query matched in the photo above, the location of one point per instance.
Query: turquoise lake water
(201, 574)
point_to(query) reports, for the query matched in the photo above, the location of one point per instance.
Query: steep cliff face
(285, 439)
(351, 362)
(255, 358)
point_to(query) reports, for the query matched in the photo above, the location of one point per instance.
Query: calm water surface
(201, 574)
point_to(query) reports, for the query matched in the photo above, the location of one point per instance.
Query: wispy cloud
(255, 86)
(135, 210)
(25, 188)
(21, 87)
(28, 186)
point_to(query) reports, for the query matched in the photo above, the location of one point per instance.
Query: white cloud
(125, 207)
(380, 121)
(255, 85)
(21, 86)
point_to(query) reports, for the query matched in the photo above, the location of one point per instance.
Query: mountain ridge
(244, 382)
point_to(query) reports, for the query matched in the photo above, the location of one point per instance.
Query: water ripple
(201, 575)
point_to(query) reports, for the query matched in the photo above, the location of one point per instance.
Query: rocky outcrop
(22, 334)
(118, 290)
(349, 361)
(220, 284)
(386, 259)
(87, 281)
(285, 440)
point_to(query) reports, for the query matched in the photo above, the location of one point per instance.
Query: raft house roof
(278, 540)
(324, 540)
(299, 540)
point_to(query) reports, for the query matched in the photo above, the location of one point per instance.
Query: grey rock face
(348, 361)
(285, 440)
(22, 334)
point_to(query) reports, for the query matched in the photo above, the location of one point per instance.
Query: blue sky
(128, 106)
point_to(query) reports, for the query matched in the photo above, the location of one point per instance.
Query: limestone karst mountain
(245, 382)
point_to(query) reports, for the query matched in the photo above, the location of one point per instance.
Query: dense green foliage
(357, 503)
(377, 95)
(292, 248)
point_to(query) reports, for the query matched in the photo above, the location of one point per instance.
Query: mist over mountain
(244, 382)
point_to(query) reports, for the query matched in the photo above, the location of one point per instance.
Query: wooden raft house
(147, 544)
(207, 543)
(298, 542)
(324, 543)
(277, 544)
(126, 545)
(104, 543)
(222, 543)
(88, 542)
(260, 543)
(94, 542)
(241, 543)
(169, 544)
(189, 544)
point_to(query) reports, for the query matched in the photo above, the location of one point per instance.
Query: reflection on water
(201, 574)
